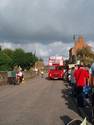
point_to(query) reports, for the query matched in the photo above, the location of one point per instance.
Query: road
(38, 101)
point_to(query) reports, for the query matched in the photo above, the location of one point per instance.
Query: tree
(9, 52)
(18, 58)
(85, 52)
(5, 61)
(26, 61)
(17, 55)
(34, 59)
(40, 59)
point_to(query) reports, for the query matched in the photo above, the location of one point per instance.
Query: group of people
(82, 82)
(15, 77)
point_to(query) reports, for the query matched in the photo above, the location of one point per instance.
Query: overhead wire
(86, 28)
(8, 28)
(8, 32)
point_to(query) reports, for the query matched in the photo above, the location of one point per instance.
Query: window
(52, 67)
(58, 68)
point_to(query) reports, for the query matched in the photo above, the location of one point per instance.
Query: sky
(46, 27)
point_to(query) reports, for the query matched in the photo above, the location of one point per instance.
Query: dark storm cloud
(48, 35)
(45, 21)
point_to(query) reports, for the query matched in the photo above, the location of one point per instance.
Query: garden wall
(4, 80)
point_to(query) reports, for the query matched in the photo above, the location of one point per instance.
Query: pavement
(84, 111)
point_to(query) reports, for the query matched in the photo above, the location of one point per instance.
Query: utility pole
(75, 49)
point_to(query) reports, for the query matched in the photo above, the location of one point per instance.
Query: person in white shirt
(9, 77)
(69, 78)
(20, 76)
(42, 73)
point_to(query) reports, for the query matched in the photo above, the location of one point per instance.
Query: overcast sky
(46, 26)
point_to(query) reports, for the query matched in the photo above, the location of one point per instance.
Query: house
(39, 65)
(79, 45)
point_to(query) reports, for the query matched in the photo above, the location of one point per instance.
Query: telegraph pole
(75, 49)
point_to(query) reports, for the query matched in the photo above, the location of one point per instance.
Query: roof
(40, 64)
(82, 43)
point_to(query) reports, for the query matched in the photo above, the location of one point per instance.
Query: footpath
(84, 111)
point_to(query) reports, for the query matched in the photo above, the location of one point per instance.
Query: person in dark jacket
(73, 81)
(13, 75)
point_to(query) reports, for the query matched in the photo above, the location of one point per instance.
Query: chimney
(80, 39)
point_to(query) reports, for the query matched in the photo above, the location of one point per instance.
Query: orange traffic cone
(23, 81)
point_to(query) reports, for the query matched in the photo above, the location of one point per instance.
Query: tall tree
(16, 56)
(5, 61)
(26, 60)
(9, 52)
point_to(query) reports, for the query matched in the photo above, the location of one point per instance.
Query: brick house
(39, 65)
(79, 45)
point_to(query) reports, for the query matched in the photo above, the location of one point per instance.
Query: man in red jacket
(80, 75)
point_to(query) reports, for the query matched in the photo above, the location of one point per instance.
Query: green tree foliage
(8, 51)
(5, 62)
(85, 55)
(40, 59)
(26, 60)
(16, 56)
(34, 59)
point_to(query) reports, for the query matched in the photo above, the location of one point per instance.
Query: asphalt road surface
(39, 101)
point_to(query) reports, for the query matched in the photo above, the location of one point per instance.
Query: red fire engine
(55, 67)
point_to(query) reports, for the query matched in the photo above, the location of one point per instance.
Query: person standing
(13, 75)
(73, 81)
(17, 77)
(42, 73)
(92, 74)
(69, 78)
(76, 67)
(9, 77)
(20, 76)
(81, 75)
